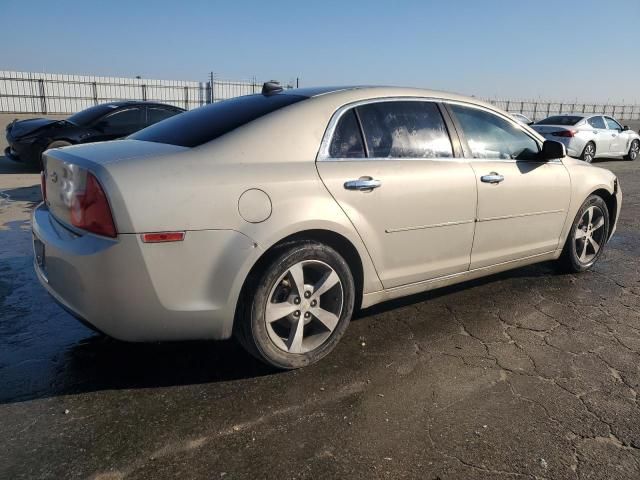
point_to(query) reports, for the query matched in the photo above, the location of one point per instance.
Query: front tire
(294, 312)
(634, 151)
(589, 152)
(588, 236)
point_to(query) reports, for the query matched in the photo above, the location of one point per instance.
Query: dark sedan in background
(27, 139)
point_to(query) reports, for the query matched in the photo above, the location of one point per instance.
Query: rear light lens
(565, 133)
(43, 186)
(90, 209)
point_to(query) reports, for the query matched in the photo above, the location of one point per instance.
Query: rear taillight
(90, 209)
(43, 186)
(565, 133)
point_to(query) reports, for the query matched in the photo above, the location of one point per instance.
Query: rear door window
(347, 141)
(157, 114)
(207, 123)
(490, 136)
(123, 121)
(597, 122)
(404, 129)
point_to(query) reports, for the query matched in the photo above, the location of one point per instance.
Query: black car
(27, 139)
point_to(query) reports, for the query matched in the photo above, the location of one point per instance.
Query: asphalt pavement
(526, 374)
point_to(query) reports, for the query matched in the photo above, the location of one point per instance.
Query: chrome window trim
(323, 152)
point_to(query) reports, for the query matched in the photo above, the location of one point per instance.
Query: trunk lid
(65, 170)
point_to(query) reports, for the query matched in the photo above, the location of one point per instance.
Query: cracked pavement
(527, 374)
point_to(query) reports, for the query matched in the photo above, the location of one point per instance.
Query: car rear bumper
(134, 291)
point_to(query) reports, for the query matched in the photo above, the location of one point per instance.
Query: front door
(411, 202)
(618, 141)
(522, 202)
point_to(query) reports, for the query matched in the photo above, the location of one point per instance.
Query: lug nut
(296, 313)
(307, 294)
(296, 300)
(314, 303)
(307, 315)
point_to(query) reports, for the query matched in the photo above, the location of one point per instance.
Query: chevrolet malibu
(273, 216)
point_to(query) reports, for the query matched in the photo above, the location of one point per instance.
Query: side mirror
(625, 128)
(552, 150)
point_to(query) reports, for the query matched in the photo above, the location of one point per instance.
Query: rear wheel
(587, 237)
(634, 150)
(54, 144)
(296, 310)
(589, 152)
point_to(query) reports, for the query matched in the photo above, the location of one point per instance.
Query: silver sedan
(592, 136)
(272, 217)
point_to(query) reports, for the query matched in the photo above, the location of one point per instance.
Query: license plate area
(38, 251)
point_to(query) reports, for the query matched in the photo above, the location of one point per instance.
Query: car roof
(357, 92)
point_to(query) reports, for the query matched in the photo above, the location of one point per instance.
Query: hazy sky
(557, 50)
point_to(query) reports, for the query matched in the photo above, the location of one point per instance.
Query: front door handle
(493, 177)
(365, 184)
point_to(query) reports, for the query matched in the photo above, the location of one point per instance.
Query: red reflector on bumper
(161, 237)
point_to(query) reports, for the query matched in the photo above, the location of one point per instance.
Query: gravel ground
(526, 374)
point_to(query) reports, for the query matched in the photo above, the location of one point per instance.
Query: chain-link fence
(536, 110)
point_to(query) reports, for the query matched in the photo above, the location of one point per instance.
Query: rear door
(522, 202)
(391, 166)
(618, 141)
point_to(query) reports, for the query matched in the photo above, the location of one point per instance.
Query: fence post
(561, 105)
(186, 98)
(94, 87)
(614, 111)
(548, 109)
(521, 107)
(535, 110)
(297, 82)
(213, 88)
(144, 92)
(43, 98)
(507, 106)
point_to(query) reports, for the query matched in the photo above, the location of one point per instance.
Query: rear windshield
(560, 120)
(207, 123)
(89, 115)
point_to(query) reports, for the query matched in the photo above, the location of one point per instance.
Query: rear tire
(634, 151)
(295, 310)
(589, 152)
(588, 236)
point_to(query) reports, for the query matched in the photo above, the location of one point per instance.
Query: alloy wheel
(634, 150)
(304, 307)
(589, 235)
(589, 152)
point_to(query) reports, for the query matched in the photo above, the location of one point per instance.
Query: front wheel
(634, 149)
(589, 152)
(296, 310)
(587, 237)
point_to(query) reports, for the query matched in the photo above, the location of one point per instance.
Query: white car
(590, 136)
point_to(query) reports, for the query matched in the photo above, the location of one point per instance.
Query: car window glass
(122, 120)
(560, 120)
(612, 124)
(347, 141)
(597, 122)
(157, 114)
(405, 129)
(201, 125)
(490, 136)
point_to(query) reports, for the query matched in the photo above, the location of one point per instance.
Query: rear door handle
(493, 177)
(362, 184)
